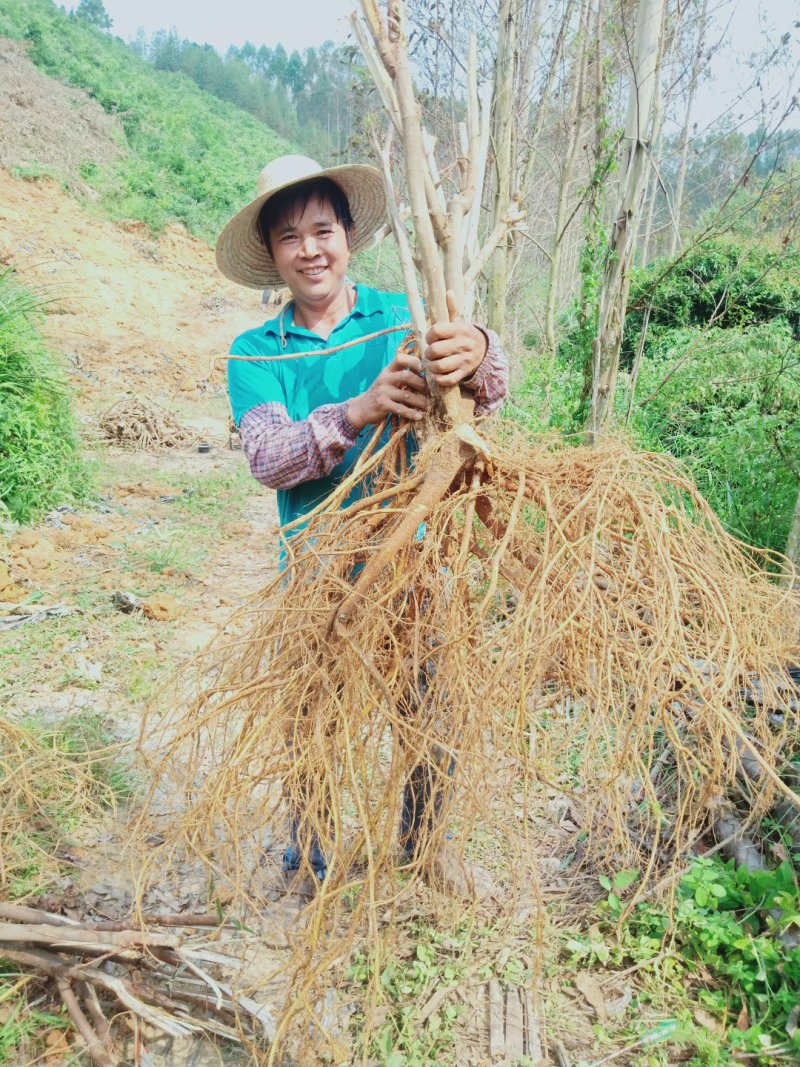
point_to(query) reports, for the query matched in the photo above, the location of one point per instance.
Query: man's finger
(442, 331)
(409, 379)
(446, 380)
(452, 306)
(397, 408)
(410, 399)
(440, 350)
(407, 361)
(445, 365)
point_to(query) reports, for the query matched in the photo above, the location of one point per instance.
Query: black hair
(294, 201)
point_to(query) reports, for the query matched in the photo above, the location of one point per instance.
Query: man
(303, 422)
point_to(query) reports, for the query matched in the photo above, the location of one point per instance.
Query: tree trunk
(658, 124)
(575, 121)
(634, 165)
(502, 139)
(793, 546)
(697, 60)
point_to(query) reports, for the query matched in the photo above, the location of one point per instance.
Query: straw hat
(241, 254)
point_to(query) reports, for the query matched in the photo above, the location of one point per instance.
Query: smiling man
(303, 422)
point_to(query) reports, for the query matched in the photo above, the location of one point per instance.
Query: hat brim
(241, 254)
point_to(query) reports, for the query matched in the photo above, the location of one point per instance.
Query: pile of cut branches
(143, 425)
(503, 620)
(157, 979)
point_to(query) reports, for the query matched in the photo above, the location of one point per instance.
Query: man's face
(311, 252)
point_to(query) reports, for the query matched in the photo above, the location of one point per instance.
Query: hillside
(184, 155)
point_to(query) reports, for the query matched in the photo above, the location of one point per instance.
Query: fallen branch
(139, 968)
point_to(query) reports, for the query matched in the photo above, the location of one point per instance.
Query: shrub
(40, 465)
(736, 285)
(731, 412)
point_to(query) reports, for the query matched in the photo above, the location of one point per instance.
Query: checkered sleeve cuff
(489, 383)
(283, 452)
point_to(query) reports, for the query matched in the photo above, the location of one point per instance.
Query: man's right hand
(398, 390)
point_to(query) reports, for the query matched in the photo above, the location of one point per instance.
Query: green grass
(40, 465)
(188, 157)
(19, 1023)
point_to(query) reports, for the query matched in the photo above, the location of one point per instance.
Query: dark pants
(427, 788)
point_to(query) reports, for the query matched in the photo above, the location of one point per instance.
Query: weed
(20, 1024)
(32, 172)
(166, 552)
(406, 981)
(726, 935)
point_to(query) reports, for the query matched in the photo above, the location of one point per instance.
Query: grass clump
(52, 778)
(40, 464)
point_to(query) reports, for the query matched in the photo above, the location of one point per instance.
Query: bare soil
(48, 126)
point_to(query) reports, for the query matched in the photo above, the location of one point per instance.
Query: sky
(307, 23)
(293, 23)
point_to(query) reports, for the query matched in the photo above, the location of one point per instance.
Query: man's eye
(325, 233)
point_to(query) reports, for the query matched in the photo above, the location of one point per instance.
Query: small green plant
(162, 551)
(727, 933)
(405, 983)
(20, 1024)
(32, 172)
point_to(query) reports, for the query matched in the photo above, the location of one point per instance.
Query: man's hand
(455, 349)
(398, 390)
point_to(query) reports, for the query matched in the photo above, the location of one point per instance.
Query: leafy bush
(723, 398)
(735, 285)
(727, 403)
(192, 158)
(40, 466)
(727, 930)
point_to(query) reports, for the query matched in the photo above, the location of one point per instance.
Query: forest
(631, 233)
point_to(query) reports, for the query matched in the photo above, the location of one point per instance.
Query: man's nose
(309, 246)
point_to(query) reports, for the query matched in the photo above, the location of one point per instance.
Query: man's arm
(489, 383)
(283, 453)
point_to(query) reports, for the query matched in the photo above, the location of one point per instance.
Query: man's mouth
(313, 272)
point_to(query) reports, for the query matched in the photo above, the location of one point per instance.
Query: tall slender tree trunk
(697, 61)
(502, 139)
(575, 122)
(658, 125)
(793, 543)
(634, 166)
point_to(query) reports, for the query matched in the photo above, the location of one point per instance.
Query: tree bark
(575, 121)
(502, 137)
(793, 547)
(697, 59)
(658, 124)
(634, 165)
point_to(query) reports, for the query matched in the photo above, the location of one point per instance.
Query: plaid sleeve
(489, 383)
(283, 453)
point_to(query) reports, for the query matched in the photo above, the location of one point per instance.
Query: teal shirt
(305, 384)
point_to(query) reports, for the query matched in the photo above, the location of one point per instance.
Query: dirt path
(129, 312)
(133, 314)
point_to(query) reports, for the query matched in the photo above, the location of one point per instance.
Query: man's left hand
(454, 349)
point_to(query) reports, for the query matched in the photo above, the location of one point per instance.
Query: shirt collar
(367, 303)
